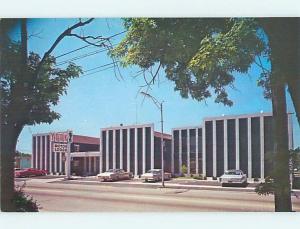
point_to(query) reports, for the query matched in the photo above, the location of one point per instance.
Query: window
(76, 147)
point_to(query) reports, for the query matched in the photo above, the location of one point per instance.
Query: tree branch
(86, 39)
(67, 32)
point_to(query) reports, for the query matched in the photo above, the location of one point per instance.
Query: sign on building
(59, 147)
(61, 137)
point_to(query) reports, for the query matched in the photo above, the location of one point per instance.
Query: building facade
(228, 142)
(49, 153)
(220, 143)
(135, 148)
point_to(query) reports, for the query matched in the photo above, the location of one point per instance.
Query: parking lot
(55, 193)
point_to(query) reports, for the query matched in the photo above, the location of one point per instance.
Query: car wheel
(223, 185)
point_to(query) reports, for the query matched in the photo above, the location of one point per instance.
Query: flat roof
(86, 140)
(76, 138)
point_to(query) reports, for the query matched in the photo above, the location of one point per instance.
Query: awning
(85, 154)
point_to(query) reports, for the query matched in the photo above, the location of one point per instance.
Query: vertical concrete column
(128, 150)
(114, 148)
(203, 150)
(180, 151)
(50, 157)
(249, 149)
(84, 165)
(41, 153)
(188, 152)
(197, 150)
(33, 153)
(172, 152)
(95, 165)
(36, 152)
(214, 148)
(225, 146)
(107, 150)
(262, 148)
(121, 148)
(290, 131)
(135, 152)
(90, 165)
(144, 149)
(237, 144)
(46, 153)
(55, 163)
(60, 163)
(152, 147)
(101, 153)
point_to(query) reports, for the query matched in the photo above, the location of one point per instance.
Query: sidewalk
(180, 183)
(173, 184)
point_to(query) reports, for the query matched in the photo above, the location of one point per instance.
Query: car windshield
(154, 171)
(233, 172)
(111, 171)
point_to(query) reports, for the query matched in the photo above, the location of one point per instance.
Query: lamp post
(160, 107)
(68, 158)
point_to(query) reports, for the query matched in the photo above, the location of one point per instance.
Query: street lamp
(160, 107)
(68, 158)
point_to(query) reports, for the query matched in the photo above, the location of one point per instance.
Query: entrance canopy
(85, 154)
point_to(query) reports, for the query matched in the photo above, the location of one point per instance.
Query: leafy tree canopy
(36, 96)
(199, 55)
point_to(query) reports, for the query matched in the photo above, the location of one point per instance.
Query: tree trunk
(9, 136)
(281, 39)
(294, 90)
(281, 171)
(11, 127)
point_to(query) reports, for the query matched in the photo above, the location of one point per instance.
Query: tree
(202, 55)
(30, 85)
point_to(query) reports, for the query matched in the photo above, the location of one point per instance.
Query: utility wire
(98, 71)
(82, 56)
(101, 66)
(85, 46)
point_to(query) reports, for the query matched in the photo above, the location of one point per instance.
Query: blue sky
(100, 100)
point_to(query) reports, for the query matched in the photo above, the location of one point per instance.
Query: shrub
(184, 169)
(23, 202)
(199, 177)
(265, 188)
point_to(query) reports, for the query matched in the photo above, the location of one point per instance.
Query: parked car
(115, 175)
(155, 175)
(233, 177)
(30, 172)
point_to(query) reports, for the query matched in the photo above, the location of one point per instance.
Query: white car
(155, 175)
(233, 177)
(114, 175)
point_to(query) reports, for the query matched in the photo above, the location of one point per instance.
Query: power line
(98, 71)
(85, 46)
(83, 56)
(101, 66)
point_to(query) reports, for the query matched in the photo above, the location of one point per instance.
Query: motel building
(49, 152)
(134, 148)
(242, 142)
(219, 143)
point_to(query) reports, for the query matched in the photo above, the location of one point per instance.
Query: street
(58, 195)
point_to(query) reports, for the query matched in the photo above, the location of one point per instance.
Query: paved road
(109, 198)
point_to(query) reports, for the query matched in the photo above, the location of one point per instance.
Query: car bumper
(233, 182)
(149, 179)
(106, 178)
